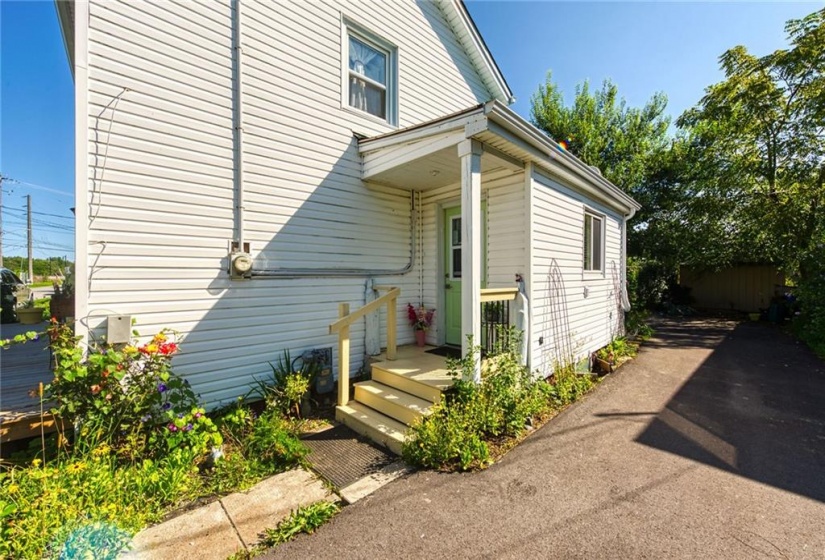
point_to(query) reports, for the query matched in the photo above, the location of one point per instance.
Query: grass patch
(305, 519)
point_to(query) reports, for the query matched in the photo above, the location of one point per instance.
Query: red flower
(167, 348)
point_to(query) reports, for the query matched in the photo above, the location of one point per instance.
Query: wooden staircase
(400, 391)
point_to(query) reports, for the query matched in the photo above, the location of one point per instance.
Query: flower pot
(604, 366)
(62, 307)
(30, 315)
(421, 338)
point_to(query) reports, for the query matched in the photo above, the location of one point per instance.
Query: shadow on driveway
(755, 407)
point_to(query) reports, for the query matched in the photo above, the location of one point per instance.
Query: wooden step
(373, 425)
(387, 374)
(392, 402)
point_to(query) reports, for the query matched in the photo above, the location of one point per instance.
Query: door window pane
(456, 272)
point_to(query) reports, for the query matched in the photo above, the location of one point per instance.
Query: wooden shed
(742, 287)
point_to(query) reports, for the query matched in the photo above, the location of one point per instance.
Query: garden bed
(142, 450)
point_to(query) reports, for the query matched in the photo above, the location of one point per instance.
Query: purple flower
(36, 337)
(146, 418)
(161, 387)
(166, 406)
(180, 414)
(187, 428)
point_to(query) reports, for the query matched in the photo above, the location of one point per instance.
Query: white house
(244, 166)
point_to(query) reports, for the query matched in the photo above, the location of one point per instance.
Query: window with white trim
(370, 75)
(593, 242)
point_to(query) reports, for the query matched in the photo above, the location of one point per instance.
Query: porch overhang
(425, 157)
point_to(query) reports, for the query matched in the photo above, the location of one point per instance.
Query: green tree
(602, 130)
(759, 142)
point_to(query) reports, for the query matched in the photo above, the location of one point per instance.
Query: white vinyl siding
(573, 313)
(161, 183)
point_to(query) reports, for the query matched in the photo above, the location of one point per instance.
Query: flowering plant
(127, 396)
(421, 318)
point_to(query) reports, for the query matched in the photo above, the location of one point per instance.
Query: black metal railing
(495, 323)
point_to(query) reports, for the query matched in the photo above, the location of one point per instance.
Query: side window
(371, 66)
(593, 242)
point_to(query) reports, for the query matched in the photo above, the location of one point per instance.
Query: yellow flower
(13, 488)
(130, 349)
(36, 462)
(160, 337)
(77, 467)
(102, 450)
(151, 348)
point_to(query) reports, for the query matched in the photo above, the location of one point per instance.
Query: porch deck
(22, 368)
(417, 365)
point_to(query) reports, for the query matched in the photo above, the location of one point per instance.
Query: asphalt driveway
(711, 444)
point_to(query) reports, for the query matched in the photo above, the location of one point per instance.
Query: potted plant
(604, 360)
(421, 319)
(28, 314)
(61, 305)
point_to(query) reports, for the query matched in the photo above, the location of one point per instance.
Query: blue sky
(642, 47)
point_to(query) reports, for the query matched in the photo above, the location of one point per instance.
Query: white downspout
(238, 124)
(624, 295)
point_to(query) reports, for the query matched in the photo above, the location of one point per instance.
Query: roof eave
(65, 17)
(468, 33)
(516, 124)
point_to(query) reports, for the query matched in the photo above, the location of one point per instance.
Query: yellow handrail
(349, 319)
(341, 326)
(498, 294)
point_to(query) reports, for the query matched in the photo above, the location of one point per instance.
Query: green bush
(810, 324)
(455, 433)
(127, 398)
(568, 386)
(287, 387)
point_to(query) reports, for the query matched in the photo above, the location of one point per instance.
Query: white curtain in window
(369, 62)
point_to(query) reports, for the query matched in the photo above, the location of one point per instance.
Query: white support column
(471, 229)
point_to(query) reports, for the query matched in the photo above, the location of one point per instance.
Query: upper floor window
(593, 242)
(370, 75)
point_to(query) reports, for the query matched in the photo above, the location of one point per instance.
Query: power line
(35, 186)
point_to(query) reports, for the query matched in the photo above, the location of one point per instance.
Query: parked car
(10, 284)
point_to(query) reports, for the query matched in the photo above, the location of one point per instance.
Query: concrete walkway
(231, 524)
(710, 445)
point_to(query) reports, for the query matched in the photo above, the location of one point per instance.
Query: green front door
(452, 271)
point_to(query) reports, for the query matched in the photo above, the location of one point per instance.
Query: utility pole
(29, 230)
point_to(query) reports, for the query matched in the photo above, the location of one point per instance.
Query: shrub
(288, 386)
(568, 386)
(127, 398)
(810, 324)
(456, 432)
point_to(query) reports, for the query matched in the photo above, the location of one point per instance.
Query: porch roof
(425, 156)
